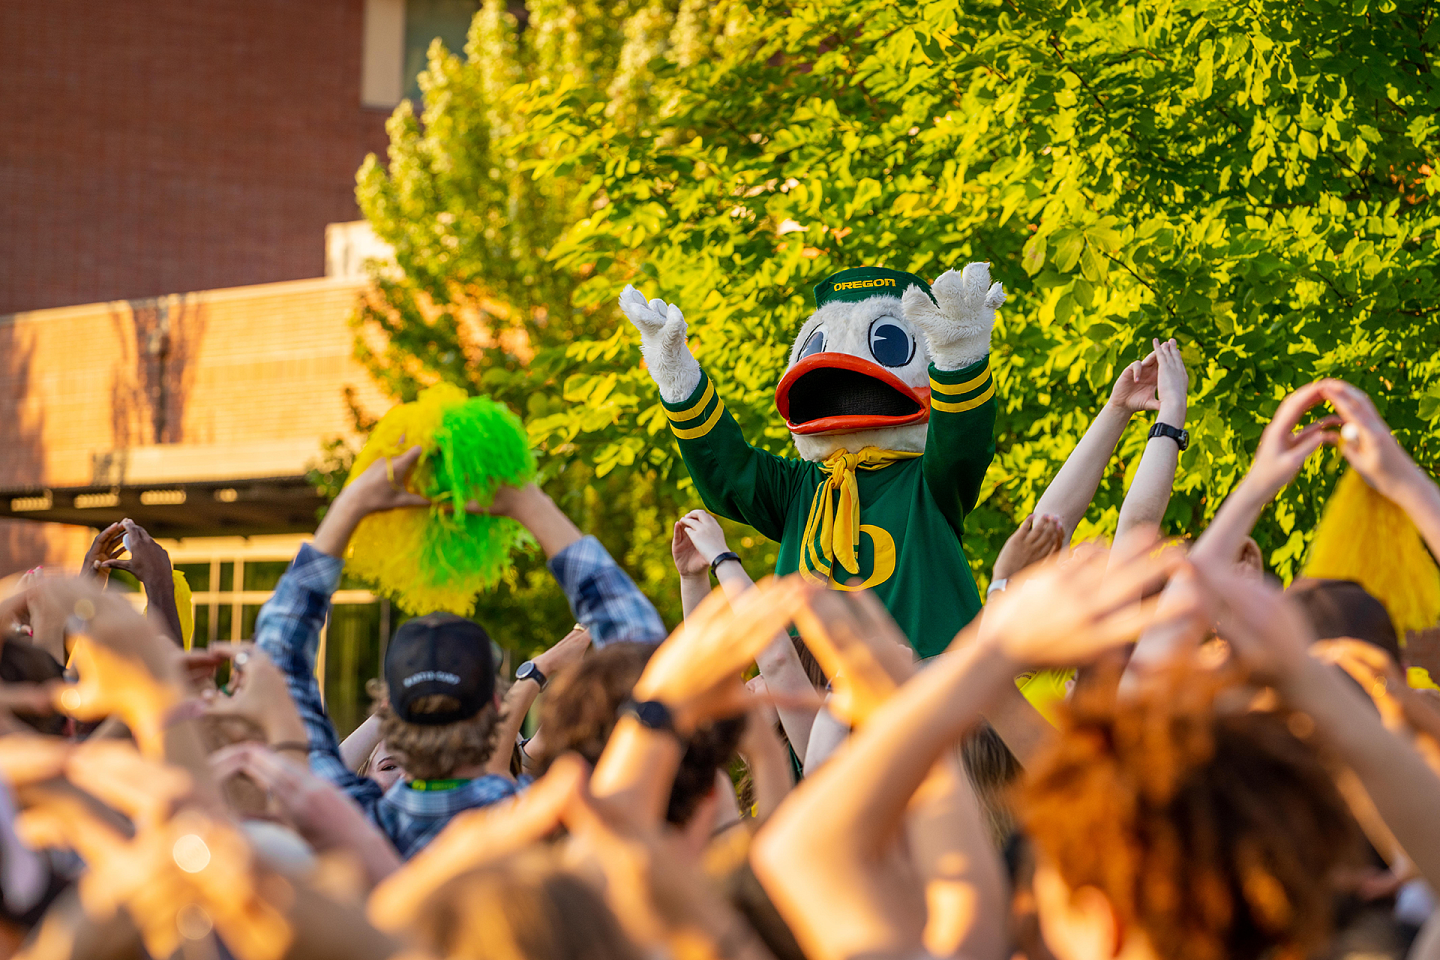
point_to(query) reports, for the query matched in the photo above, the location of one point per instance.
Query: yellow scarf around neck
(835, 508)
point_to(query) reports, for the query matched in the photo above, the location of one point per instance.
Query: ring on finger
(390, 473)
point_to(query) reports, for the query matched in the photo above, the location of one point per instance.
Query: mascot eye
(890, 343)
(816, 344)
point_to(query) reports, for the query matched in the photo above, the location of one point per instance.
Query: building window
(397, 39)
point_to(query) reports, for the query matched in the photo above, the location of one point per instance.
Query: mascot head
(859, 373)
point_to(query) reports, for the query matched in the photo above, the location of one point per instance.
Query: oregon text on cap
(856, 284)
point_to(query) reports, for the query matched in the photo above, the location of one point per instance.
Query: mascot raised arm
(889, 399)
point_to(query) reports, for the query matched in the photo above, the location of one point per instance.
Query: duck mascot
(889, 399)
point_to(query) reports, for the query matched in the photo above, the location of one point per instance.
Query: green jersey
(911, 511)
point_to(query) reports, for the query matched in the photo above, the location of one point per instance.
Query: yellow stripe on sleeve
(954, 390)
(704, 428)
(963, 405)
(680, 416)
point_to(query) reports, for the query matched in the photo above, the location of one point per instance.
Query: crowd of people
(1146, 749)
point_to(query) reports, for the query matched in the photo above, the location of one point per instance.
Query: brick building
(174, 344)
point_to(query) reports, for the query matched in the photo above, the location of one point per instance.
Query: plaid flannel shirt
(288, 630)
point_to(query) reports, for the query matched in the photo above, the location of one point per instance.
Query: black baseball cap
(439, 653)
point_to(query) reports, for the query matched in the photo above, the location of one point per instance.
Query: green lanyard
(432, 785)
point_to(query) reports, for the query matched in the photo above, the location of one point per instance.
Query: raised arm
(1272, 636)
(827, 857)
(1366, 441)
(734, 479)
(1281, 453)
(1149, 492)
(961, 440)
(785, 676)
(288, 628)
(602, 596)
(1074, 486)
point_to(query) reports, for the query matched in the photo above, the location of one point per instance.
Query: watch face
(1184, 439)
(526, 671)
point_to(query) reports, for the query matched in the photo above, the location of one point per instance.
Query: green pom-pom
(482, 446)
(442, 558)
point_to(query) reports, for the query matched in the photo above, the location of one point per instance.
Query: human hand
(859, 648)
(384, 485)
(1172, 383)
(662, 343)
(258, 693)
(696, 672)
(1283, 450)
(705, 533)
(1135, 388)
(107, 545)
(1036, 539)
(688, 559)
(148, 561)
(1070, 611)
(569, 650)
(1367, 443)
(1267, 634)
(316, 808)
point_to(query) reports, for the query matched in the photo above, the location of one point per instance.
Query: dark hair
(1218, 835)
(22, 662)
(580, 709)
(1343, 608)
(521, 908)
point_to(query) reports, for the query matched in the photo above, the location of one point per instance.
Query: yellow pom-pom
(185, 605)
(1418, 678)
(1368, 539)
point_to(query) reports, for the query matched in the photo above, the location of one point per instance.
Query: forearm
(356, 748)
(1070, 493)
(692, 591)
(1419, 497)
(785, 677)
(1149, 492)
(1020, 726)
(826, 736)
(733, 578)
(1402, 787)
(1221, 541)
(886, 762)
(637, 768)
(546, 522)
(771, 775)
(160, 606)
(517, 703)
(964, 880)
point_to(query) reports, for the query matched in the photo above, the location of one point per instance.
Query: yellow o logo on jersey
(883, 569)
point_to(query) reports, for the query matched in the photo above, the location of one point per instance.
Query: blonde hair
(434, 752)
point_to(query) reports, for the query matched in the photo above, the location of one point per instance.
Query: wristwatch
(727, 555)
(1179, 435)
(652, 714)
(528, 671)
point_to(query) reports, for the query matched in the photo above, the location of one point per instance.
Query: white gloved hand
(662, 343)
(958, 329)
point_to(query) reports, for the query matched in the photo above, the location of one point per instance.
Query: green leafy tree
(1253, 179)
(473, 297)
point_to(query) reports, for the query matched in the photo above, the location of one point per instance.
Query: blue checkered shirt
(288, 630)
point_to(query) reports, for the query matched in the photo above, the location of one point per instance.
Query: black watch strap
(727, 555)
(528, 671)
(1180, 436)
(652, 714)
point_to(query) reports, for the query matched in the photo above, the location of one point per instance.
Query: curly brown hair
(434, 752)
(1218, 835)
(580, 709)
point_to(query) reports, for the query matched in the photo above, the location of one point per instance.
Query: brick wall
(148, 146)
(245, 365)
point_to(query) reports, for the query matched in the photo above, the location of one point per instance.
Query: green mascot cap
(862, 283)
